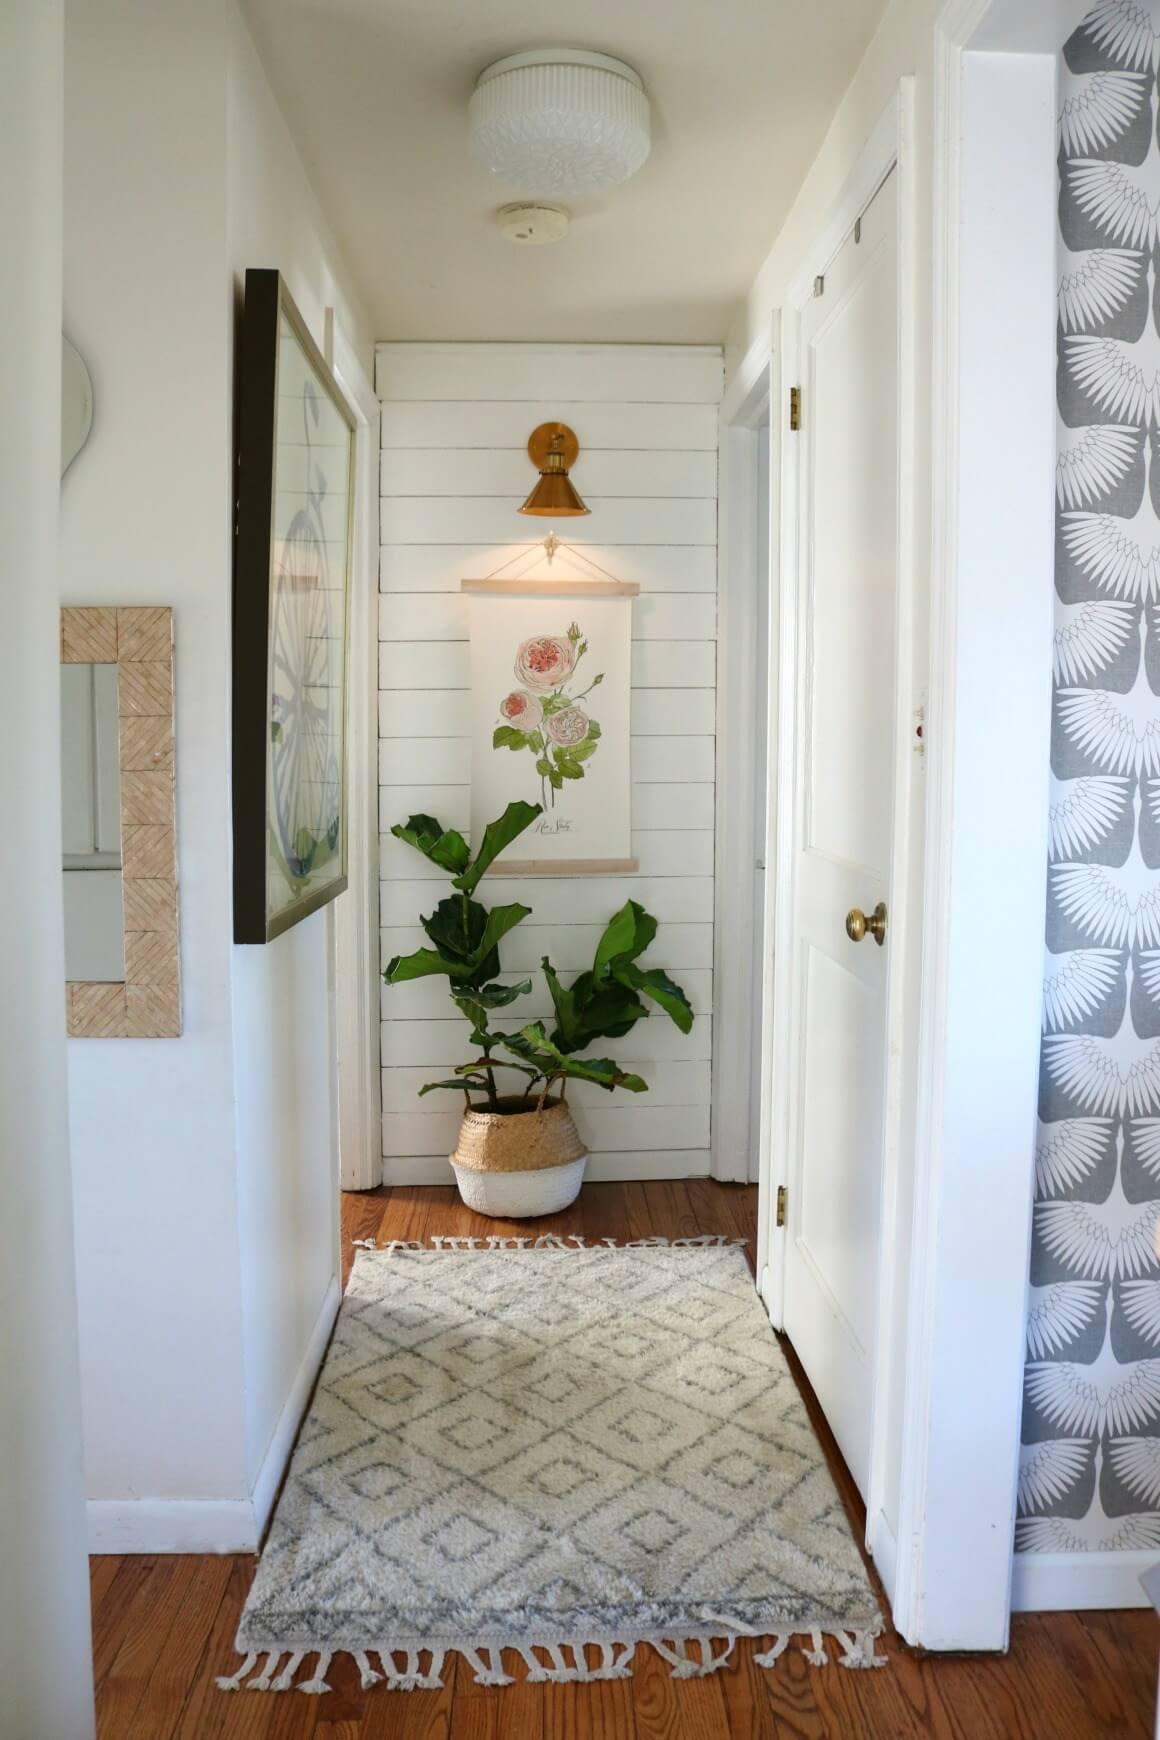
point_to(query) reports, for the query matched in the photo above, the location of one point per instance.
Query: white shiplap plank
(653, 806)
(568, 899)
(610, 1168)
(412, 616)
(419, 712)
(424, 713)
(660, 852)
(625, 1127)
(508, 472)
(440, 567)
(447, 760)
(669, 1084)
(445, 664)
(430, 1000)
(415, 519)
(419, 423)
(622, 373)
(570, 947)
(445, 1044)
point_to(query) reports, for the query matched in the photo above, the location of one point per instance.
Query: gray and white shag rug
(560, 1449)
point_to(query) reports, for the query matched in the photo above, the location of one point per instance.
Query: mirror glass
(94, 947)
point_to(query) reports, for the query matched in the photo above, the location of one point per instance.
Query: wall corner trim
(274, 1462)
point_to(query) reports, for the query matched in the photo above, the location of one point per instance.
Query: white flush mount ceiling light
(559, 121)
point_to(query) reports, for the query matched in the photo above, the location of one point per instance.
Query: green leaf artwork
(544, 714)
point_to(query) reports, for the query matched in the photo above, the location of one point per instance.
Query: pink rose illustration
(568, 727)
(521, 710)
(545, 661)
(545, 717)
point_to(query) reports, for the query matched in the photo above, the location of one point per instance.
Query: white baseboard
(282, 1442)
(883, 1548)
(627, 1168)
(216, 1525)
(1051, 1582)
(171, 1525)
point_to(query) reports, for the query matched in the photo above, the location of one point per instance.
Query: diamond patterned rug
(563, 1450)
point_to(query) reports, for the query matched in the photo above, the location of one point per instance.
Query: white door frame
(355, 951)
(738, 978)
(890, 148)
(964, 1057)
(992, 562)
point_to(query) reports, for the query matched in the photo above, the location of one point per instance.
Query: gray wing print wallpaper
(1090, 1468)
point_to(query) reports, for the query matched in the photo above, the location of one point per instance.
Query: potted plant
(520, 1154)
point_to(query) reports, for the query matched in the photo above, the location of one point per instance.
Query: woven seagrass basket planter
(516, 1163)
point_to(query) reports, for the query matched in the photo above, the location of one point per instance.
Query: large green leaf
(476, 1003)
(659, 988)
(423, 964)
(500, 920)
(496, 836)
(456, 927)
(533, 1044)
(564, 1003)
(461, 1086)
(443, 846)
(590, 1009)
(627, 934)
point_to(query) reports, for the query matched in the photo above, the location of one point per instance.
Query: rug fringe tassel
(688, 1667)
(316, 1686)
(233, 1682)
(489, 1672)
(565, 1663)
(286, 1678)
(546, 1242)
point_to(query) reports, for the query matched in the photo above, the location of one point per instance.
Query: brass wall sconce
(553, 449)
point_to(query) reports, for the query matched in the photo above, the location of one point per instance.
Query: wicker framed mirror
(122, 943)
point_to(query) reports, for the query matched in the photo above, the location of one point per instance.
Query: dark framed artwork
(292, 558)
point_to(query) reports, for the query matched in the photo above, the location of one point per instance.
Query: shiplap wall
(455, 424)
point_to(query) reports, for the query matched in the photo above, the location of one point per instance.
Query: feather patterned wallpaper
(1090, 1468)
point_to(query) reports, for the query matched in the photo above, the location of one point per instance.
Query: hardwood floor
(163, 1626)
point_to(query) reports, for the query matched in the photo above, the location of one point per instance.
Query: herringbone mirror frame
(139, 641)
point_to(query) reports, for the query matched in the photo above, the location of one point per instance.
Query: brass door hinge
(781, 1205)
(795, 408)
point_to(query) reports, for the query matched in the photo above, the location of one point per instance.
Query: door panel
(844, 762)
(841, 1084)
(852, 391)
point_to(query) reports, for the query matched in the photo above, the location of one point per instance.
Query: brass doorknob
(858, 925)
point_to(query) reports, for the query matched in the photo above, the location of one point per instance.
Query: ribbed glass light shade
(559, 122)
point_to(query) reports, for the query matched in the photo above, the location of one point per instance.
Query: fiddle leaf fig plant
(604, 1002)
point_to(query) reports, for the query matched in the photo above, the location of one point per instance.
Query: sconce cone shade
(554, 496)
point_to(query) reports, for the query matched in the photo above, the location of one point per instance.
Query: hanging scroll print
(550, 720)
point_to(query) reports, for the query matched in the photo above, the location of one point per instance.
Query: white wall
(455, 424)
(45, 1637)
(286, 1121)
(204, 1166)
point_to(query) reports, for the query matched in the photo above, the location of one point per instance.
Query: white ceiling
(375, 92)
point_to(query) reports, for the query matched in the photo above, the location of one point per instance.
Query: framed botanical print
(292, 558)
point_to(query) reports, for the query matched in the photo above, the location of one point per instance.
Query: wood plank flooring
(163, 1626)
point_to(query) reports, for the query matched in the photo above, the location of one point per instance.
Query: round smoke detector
(532, 225)
(559, 121)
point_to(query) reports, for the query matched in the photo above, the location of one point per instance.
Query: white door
(846, 598)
